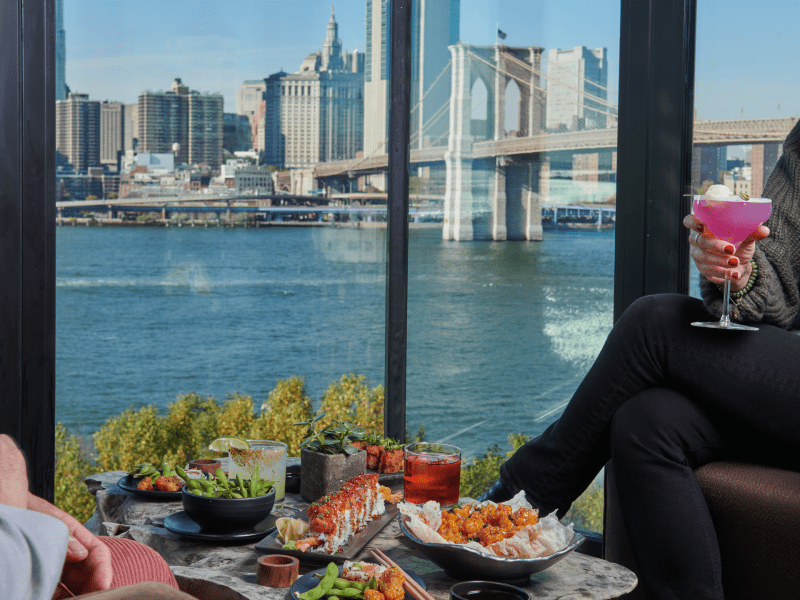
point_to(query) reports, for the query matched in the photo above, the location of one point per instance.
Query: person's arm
(87, 567)
(33, 547)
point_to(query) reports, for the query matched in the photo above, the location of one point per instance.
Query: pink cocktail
(733, 219)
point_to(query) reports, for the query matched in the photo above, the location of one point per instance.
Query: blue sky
(115, 49)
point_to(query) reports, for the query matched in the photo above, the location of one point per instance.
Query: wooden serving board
(271, 545)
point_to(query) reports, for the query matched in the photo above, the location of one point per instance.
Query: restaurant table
(228, 572)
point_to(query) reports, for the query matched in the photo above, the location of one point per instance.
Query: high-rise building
(236, 133)
(78, 132)
(577, 93)
(317, 113)
(434, 27)
(61, 52)
(131, 128)
(184, 117)
(112, 133)
(249, 97)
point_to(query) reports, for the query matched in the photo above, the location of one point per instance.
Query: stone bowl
(227, 515)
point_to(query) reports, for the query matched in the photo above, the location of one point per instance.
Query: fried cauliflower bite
(390, 583)
(145, 484)
(168, 484)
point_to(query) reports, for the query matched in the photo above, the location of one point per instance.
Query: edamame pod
(350, 592)
(331, 573)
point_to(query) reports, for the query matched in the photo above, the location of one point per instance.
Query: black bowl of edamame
(227, 515)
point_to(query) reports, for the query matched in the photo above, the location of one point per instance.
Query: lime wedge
(222, 444)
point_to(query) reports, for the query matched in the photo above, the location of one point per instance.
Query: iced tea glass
(432, 472)
(270, 456)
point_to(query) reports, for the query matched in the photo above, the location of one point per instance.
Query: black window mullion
(654, 148)
(27, 210)
(397, 222)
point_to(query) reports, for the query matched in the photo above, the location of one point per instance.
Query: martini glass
(730, 218)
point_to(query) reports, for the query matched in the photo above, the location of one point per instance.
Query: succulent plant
(335, 439)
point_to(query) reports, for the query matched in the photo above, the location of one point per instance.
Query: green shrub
(71, 495)
(288, 403)
(350, 399)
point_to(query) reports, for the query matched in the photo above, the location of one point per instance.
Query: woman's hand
(713, 256)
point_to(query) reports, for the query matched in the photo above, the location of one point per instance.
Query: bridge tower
(512, 205)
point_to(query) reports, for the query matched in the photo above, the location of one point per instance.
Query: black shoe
(497, 493)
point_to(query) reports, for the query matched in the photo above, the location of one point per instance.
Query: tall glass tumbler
(432, 472)
(270, 456)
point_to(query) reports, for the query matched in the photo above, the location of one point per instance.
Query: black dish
(310, 581)
(182, 524)
(227, 515)
(487, 590)
(129, 483)
(463, 563)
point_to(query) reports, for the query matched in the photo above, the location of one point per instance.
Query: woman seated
(664, 397)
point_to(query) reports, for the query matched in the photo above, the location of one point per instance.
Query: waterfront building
(577, 93)
(183, 121)
(131, 128)
(316, 114)
(253, 178)
(249, 98)
(112, 134)
(61, 52)
(78, 132)
(94, 181)
(236, 133)
(435, 27)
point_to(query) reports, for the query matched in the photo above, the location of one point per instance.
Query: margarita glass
(269, 456)
(730, 218)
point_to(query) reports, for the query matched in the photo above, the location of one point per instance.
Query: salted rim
(734, 198)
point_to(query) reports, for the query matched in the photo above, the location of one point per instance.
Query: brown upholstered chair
(756, 513)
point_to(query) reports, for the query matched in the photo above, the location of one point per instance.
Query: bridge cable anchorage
(589, 95)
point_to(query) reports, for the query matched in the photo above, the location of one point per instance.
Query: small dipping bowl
(207, 465)
(487, 590)
(277, 570)
(293, 479)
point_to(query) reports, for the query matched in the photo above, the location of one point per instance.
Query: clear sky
(116, 49)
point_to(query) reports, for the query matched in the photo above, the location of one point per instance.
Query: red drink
(432, 472)
(732, 219)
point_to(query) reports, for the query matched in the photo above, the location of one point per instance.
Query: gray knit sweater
(774, 298)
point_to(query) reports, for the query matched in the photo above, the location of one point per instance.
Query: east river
(499, 333)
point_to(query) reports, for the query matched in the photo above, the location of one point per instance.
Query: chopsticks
(412, 587)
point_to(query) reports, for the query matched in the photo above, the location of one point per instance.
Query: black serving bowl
(487, 590)
(464, 563)
(293, 479)
(227, 515)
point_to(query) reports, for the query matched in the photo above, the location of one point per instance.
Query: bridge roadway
(706, 133)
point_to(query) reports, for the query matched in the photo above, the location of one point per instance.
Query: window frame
(653, 167)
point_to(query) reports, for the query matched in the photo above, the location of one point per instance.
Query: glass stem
(726, 297)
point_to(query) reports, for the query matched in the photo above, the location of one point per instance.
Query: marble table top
(229, 571)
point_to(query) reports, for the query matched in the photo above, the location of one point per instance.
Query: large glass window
(199, 250)
(745, 102)
(512, 214)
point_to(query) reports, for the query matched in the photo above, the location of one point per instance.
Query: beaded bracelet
(750, 282)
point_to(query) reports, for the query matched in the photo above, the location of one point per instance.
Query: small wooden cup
(277, 570)
(207, 465)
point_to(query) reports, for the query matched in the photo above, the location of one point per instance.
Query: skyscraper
(435, 26)
(61, 53)
(112, 133)
(78, 131)
(184, 117)
(577, 92)
(317, 113)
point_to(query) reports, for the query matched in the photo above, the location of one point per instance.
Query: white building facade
(577, 92)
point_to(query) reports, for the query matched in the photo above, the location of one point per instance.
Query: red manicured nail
(734, 262)
(735, 275)
(700, 228)
(730, 249)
